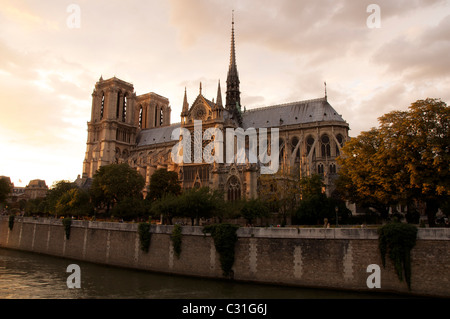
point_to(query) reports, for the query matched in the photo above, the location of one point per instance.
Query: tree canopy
(5, 189)
(54, 194)
(315, 206)
(115, 182)
(163, 182)
(405, 159)
(254, 208)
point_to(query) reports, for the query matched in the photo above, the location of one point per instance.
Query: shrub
(11, 222)
(397, 239)
(67, 222)
(225, 239)
(144, 236)
(176, 238)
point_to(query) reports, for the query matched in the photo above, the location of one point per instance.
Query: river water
(26, 275)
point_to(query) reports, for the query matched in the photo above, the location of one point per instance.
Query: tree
(406, 159)
(198, 203)
(162, 183)
(5, 189)
(113, 183)
(167, 207)
(254, 208)
(315, 206)
(280, 191)
(131, 208)
(363, 177)
(74, 202)
(55, 193)
(311, 185)
(35, 206)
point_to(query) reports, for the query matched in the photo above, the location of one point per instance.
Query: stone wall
(305, 257)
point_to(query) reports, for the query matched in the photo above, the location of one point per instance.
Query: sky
(374, 59)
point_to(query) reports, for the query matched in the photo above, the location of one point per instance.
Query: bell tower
(113, 126)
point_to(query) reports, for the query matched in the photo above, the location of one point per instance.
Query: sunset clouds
(285, 51)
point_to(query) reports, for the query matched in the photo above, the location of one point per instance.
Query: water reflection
(25, 275)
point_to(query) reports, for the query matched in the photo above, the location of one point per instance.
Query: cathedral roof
(156, 135)
(309, 111)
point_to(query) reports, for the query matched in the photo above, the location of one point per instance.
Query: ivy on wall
(67, 223)
(144, 236)
(176, 238)
(397, 240)
(225, 239)
(11, 222)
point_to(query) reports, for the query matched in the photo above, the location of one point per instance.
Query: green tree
(167, 207)
(162, 183)
(254, 208)
(74, 202)
(113, 183)
(131, 208)
(311, 185)
(281, 192)
(315, 205)
(36, 206)
(55, 193)
(5, 189)
(314, 209)
(198, 203)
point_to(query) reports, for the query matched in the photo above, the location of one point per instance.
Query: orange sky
(285, 51)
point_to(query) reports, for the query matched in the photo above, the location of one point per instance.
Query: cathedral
(136, 129)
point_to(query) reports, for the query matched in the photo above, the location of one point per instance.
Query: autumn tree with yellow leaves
(405, 160)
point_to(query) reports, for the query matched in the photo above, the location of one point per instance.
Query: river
(27, 275)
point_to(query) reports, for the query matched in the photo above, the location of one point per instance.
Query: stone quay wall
(335, 258)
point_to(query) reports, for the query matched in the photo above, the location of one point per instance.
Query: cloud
(285, 51)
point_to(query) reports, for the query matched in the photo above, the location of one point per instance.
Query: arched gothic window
(309, 145)
(102, 108)
(332, 168)
(325, 147)
(141, 111)
(161, 116)
(234, 189)
(320, 169)
(119, 96)
(124, 108)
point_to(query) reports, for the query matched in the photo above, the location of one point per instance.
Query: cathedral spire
(233, 48)
(219, 96)
(233, 100)
(185, 103)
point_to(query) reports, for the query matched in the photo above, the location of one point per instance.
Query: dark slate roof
(301, 112)
(156, 135)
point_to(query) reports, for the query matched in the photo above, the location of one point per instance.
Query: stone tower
(112, 129)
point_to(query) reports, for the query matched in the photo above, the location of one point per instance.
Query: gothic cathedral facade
(136, 129)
